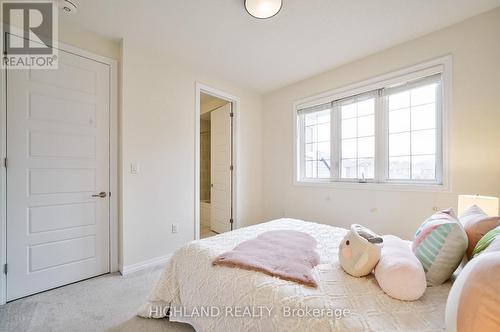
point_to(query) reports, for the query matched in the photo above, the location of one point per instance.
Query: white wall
(474, 127)
(158, 132)
(88, 40)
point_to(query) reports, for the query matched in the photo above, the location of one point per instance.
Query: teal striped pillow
(440, 244)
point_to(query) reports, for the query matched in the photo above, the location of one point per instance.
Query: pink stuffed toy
(397, 270)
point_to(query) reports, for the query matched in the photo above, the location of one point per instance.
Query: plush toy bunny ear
(377, 239)
(368, 234)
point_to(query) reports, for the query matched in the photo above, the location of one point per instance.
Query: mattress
(217, 298)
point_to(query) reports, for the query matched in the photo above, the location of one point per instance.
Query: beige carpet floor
(105, 303)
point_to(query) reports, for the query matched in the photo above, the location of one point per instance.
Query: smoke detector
(68, 6)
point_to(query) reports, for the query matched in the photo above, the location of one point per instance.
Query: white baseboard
(145, 264)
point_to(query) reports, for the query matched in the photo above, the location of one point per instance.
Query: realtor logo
(29, 34)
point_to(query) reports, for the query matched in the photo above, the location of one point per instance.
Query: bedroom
(152, 58)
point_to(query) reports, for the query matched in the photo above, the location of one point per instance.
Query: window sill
(375, 186)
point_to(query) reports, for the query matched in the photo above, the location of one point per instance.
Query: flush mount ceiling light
(263, 8)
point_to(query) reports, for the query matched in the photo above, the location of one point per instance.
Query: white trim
(428, 68)
(113, 164)
(441, 65)
(385, 186)
(162, 260)
(199, 88)
(114, 243)
(3, 187)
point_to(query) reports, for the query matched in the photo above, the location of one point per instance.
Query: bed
(217, 298)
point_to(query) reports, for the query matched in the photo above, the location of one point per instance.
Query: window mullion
(411, 140)
(439, 156)
(381, 142)
(335, 137)
(338, 141)
(332, 161)
(302, 147)
(357, 141)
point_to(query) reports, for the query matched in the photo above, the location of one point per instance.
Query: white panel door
(220, 159)
(58, 158)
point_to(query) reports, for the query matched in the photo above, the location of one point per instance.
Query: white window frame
(337, 141)
(441, 66)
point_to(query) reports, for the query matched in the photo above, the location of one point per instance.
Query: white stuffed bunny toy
(359, 251)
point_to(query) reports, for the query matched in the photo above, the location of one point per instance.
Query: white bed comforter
(215, 298)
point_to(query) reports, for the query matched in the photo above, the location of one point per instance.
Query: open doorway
(215, 163)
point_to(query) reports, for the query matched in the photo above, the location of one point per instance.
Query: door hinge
(110, 194)
(5, 269)
(231, 167)
(5, 162)
(231, 114)
(231, 221)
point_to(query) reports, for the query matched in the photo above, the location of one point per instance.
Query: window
(357, 135)
(412, 131)
(387, 132)
(317, 144)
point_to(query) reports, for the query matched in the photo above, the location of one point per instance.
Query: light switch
(175, 228)
(134, 168)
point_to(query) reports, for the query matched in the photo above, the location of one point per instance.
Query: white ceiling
(306, 38)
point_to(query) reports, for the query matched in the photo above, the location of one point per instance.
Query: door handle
(102, 194)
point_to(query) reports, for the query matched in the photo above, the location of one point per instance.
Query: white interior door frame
(235, 101)
(113, 163)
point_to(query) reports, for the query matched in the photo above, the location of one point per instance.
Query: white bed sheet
(216, 298)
